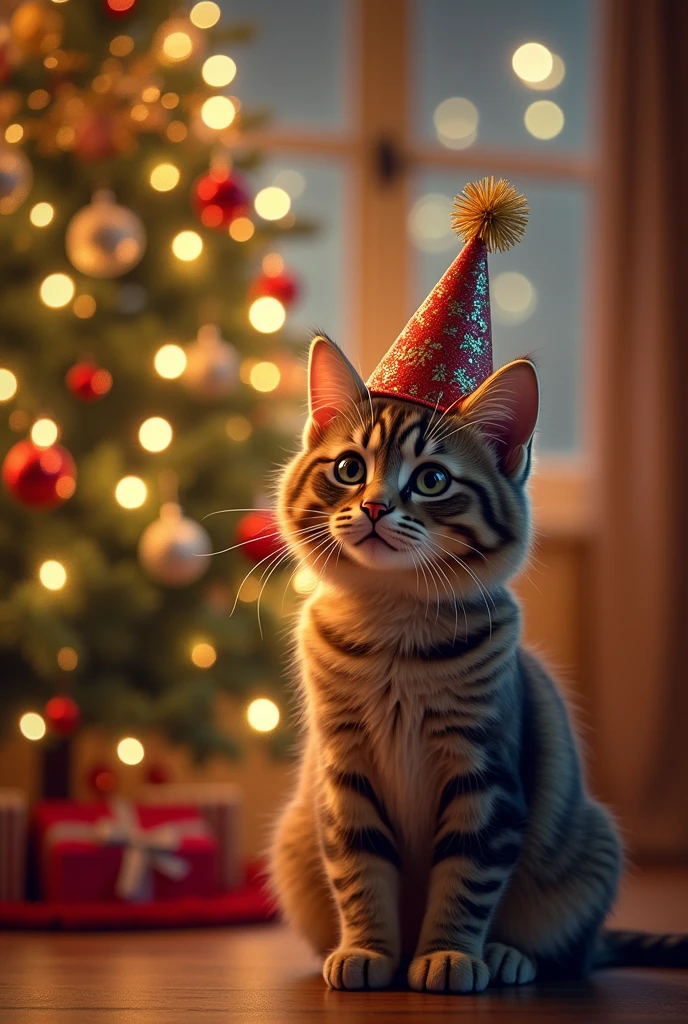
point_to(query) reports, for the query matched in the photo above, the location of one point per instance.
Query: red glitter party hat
(445, 351)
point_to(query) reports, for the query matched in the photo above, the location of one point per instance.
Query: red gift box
(116, 851)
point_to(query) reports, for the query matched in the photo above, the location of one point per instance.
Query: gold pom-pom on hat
(493, 211)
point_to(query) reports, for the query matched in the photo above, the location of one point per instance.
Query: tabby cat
(440, 825)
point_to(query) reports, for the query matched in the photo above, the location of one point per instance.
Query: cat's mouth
(372, 537)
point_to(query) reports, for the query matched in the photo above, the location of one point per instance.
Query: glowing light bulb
(32, 726)
(120, 6)
(241, 229)
(44, 432)
(218, 112)
(130, 750)
(544, 119)
(187, 246)
(57, 290)
(164, 177)
(155, 434)
(205, 14)
(8, 385)
(131, 492)
(177, 45)
(263, 715)
(532, 62)
(272, 203)
(218, 70)
(67, 659)
(41, 214)
(267, 314)
(52, 575)
(14, 133)
(203, 655)
(264, 376)
(170, 361)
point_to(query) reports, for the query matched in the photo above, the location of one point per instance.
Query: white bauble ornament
(173, 549)
(16, 179)
(105, 239)
(212, 365)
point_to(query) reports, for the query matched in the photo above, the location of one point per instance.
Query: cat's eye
(350, 469)
(430, 481)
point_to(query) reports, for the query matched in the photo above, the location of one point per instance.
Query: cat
(440, 825)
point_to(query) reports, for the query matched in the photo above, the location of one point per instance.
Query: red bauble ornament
(99, 136)
(39, 477)
(119, 8)
(88, 382)
(157, 775)
(102, 779)
(219, 198)
(63, 714)
(259, 534)
(283, 286)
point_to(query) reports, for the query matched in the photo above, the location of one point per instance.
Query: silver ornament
(212, 365)
(173, 549)
(16, 179)
(105, 239)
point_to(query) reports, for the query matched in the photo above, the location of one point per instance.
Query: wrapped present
(13, 811)
(117, 851)
(221, 805)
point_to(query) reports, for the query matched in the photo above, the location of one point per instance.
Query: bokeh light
(187, 246)
(57, 290)
(293, 182)
(267, 314)
(84, 306)
(52, 574)
(8, 385)
(554, 78)
(155, 434)
(456, 122)
(164, 177)
(241, 229)
(264, 376)
(176, 131)
(203, 655)
(272, 203)
(218, 112)
(514, 297)
(41, 214)
(205, 14)
(429, 223)
(170, 361)
(130, 750)
(177, 46)
(32, 726)
(131, 492)
(121, 46)
(14, 133)
(120, 6)
(238, 428)
(44, 432)
(263, 715)
(305, 581)
(532, 62)
(218, 70)
(67, 659)
(544, 119)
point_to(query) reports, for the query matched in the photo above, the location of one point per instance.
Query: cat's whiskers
(269, 570)
(484, 593)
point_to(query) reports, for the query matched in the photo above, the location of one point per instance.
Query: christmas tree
(141, 298)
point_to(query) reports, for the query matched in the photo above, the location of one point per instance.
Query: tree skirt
(249, 904)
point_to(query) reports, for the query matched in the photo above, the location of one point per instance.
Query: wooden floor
(266, 976)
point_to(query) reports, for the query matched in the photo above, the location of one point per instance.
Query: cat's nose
(376, 509)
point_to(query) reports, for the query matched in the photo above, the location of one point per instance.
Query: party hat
(445, 351)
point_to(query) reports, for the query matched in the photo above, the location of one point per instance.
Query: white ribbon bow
(143, 848)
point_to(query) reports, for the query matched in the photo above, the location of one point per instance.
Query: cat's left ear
(506, 408)
(333, 384)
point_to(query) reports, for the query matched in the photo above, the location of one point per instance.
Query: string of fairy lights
(58, 291)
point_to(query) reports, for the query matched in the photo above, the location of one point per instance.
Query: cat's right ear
(333, 384)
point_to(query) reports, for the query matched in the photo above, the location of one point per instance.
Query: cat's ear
(506, 408)
(333, 384)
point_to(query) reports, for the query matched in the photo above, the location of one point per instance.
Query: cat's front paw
(508, 966)
(448, 971)
(356, 968)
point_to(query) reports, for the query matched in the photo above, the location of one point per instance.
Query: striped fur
(440, 823)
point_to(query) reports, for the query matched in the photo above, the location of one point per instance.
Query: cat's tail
(641, 949)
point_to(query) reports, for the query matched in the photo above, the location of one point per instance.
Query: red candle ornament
(259, 534)
(88, 382)
(39, 477)
(219, 198)
(63, 715)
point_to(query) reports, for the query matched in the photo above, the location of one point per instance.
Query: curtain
(641, 607)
